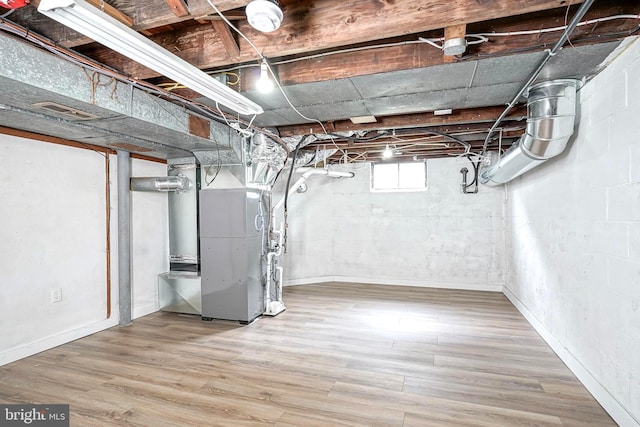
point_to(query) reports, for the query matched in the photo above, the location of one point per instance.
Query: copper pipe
(107, 195)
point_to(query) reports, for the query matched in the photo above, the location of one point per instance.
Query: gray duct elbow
(551, 112)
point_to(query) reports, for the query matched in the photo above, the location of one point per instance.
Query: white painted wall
(52, 235)
(573, 242)
(149, 239)
(340, 230)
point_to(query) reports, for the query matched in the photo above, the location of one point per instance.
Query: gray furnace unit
(232, 223)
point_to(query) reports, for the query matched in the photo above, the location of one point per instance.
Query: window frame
(395, 189)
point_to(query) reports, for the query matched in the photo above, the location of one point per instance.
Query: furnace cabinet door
(231, 285)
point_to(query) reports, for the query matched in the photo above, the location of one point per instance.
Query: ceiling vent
(65, 111)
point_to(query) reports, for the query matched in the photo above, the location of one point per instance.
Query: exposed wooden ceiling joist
(471, 115)
(228, 40)
(314, 30)
(146, 15)
(179, 7)
(331, 66)
(317, 26)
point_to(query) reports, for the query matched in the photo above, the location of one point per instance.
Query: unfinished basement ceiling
(457, 86)
(390, 74)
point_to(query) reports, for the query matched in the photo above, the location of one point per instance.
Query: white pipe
(306, 173)
(327, 172)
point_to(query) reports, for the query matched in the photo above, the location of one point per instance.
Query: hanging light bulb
(265, 84)
(387, 153)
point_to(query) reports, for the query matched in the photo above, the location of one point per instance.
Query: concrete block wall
(341, 230)
(52, 235)
(573, 242)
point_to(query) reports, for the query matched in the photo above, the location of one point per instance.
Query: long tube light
(97, 25)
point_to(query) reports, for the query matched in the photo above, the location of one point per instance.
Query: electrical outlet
(56, 295)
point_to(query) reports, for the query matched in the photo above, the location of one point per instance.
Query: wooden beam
(417, 55)
(224, 33)
(470, 133)
(345, 65)
(67, 142)
(199, 126)
(112, 12)
(231, 16)
(146, 12)
(453, 32)
(317, 26)
(179, 7)
(105, 7)
(471, 115)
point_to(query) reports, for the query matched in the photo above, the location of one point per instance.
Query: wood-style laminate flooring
(341, 355)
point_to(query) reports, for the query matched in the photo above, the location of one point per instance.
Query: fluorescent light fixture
(92, 22)
(264, 85)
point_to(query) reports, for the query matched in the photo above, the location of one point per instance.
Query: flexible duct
(162, 183)
(551, 112)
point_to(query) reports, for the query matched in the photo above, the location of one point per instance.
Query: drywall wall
(341, 230)
(53, 236)
(573, 242)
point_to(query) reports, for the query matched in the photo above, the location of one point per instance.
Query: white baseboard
(52, 341)
(145, 310)
(309, 281)
(608, 402)
(396, 282)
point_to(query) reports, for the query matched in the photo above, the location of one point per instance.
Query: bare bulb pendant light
(264, 15)
(387, 153)
(97, 25)
(265, 84)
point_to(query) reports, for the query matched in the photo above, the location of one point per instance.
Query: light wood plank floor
(341, 355)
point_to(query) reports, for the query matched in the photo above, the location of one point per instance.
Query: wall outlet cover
(56, 295)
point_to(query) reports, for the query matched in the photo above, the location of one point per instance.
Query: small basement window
(410, 176)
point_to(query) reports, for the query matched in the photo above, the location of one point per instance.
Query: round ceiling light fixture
(264, 15)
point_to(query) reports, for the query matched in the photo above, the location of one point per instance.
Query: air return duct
(551, 112)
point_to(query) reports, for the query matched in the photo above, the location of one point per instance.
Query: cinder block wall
(341, 230)
(573, 238)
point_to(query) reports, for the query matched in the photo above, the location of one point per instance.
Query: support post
(124, 238)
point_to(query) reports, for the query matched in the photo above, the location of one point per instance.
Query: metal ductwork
(177, 183)
(551, 112)
(42, 93)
